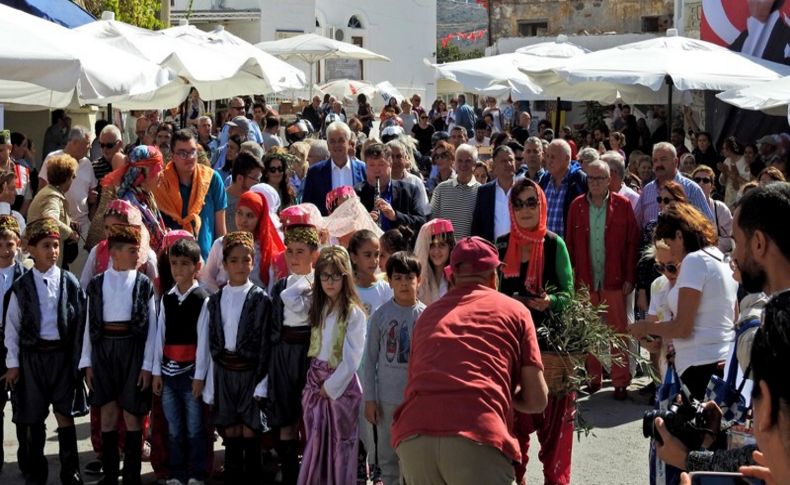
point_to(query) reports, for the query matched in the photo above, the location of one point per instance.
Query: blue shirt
(465, 116)
(216, 200)
(647, 207)
(555, 202)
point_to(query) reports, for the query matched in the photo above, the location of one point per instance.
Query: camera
(684, 420)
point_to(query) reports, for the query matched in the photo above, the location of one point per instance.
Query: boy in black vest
(118, 349)
(239, 316)
(42, 335)
(181, 360)
(10, 270)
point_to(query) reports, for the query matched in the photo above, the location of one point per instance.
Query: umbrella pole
(557, 121)
(109, 112)
(310, 98)
(669, 82)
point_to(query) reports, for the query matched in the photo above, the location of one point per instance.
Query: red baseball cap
(479, 254)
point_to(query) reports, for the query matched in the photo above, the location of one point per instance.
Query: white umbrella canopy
(57, 67)
(687, 64)
(278, 74)
(501, 74)
(348, 89)
(216, 72)
(313, 47)
(772, 97)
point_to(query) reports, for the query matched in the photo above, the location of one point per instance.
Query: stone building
(530, 18)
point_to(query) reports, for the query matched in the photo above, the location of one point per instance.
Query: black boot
(23, 449)
(234, 460)
(69, 457)
(289, 456)
(38, 472)
(252, 460)
(111, 458)
(132, 458)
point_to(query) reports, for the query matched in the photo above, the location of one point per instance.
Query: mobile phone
(719, 478)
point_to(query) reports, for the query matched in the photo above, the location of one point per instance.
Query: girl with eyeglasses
(276, 172)
(537, 272)
(332, 396)
(705, 177)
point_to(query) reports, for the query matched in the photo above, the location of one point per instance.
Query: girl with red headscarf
(252, 215)
(537, 272)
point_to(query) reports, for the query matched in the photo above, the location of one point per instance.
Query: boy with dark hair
(44, 314)
(181, 362)
(10, 271)
(117, 352)
(387, 355)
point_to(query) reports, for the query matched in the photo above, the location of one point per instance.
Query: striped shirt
(101, 167)
(647, 208)
(455, 202)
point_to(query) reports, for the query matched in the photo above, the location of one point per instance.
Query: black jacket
(483, 219)
(404, 203)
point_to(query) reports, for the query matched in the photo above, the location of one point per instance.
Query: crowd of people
(324, 293)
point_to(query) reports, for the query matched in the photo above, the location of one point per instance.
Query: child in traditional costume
(332, 395)
(42, 334)
(118, 347)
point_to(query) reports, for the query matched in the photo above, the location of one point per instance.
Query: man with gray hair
(454, 199)
(318, 151)
(110, 144)
(665, 168)
(205, 139)
(339, 170)
(617, 184)
(586, 156)
(562, 183)
(603, 255)
(533, 159)
(82, 196)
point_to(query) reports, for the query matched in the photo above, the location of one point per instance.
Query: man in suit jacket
(492, 212)
(330, 174)
(398, 201)
(766, 35)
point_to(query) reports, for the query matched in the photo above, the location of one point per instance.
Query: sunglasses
(237, 107)
(665, 200)
(276, 169)
(670, 268)
(423, 117)
(331, 276)
(108, 145)
(529, 203)
(186, 155)
(440, 156)
(702, 180)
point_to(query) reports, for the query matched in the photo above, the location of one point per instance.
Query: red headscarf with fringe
(265, 233)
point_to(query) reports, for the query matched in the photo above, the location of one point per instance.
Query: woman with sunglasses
(702, 301)
(276, 174)
(536, 260)
(705, 177)
(645, 270)
(442, 157)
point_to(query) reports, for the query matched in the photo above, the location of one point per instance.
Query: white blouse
(353, 348)
(296, 299)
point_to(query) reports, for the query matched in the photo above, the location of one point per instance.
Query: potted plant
(568, 336)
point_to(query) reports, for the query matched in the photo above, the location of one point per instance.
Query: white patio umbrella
(312, 48)
(278, 74)
(51, 66)
(348, 89)
(772, 97)
(215, 71)
(500, 73)
(680, 62)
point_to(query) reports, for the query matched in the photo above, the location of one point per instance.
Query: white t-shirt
(374, 296)
(714, 329)
(81, 187)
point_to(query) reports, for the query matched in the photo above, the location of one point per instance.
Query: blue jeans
(185, 427)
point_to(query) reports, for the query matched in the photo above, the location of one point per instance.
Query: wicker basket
(558, 367)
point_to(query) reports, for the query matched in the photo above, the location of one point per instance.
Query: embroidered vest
(251, 342)
(181, 322)
(141, 294)
(339, 336)
(71, 303)
(277, 310)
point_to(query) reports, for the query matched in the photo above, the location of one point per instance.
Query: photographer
(762, 256)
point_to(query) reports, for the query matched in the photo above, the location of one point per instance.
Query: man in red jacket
(602, 238)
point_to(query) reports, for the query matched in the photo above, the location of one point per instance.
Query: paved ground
(616, 453)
